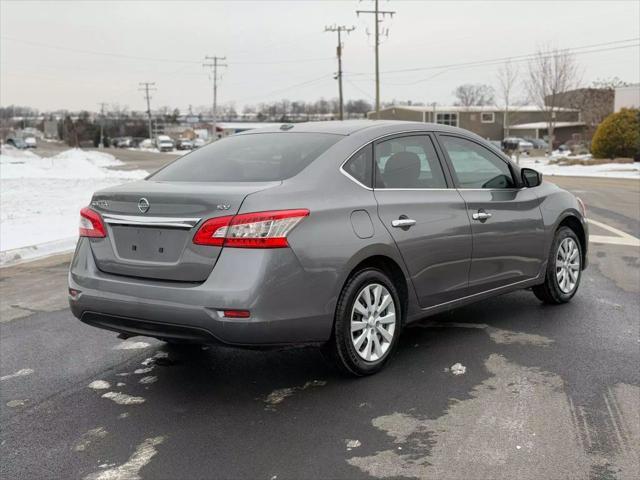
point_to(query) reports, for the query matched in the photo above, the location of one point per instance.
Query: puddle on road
(479, 438)
(89, 437)
(278, 396)
(130, 470)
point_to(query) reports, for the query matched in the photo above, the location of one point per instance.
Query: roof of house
(534, 125)
(484, 108)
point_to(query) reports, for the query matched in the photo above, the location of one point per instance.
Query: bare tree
(470, 95)
(507, 78)
(551, 73)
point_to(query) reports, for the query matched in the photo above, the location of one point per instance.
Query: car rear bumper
(271, 284)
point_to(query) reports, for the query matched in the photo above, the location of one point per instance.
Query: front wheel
(564, 269)
(367, 323)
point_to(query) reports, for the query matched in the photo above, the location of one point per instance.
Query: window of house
(476, 167)
(407, 162)
(359, 167)
(450, 119)
(488, 117)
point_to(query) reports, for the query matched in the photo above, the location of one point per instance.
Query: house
(594, 104)
(627, 97)
(489, 121)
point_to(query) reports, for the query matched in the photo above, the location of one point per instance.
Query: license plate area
(149, 244)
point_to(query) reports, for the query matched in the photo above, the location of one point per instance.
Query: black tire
(550, 291)
(340, 348)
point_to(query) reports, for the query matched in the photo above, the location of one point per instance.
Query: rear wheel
(367, 323)
(564, 269)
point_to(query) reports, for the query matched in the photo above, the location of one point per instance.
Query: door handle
(403, 223)
(481, 216)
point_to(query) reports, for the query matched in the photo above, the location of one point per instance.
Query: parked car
(199, 142)
(509, 143)
(185, 144)
(31, 142)
(123, 142)
(328, 233)
(164, 143)
(537, 143)
(17, 143)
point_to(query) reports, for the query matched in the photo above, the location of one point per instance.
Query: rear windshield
(259, 157)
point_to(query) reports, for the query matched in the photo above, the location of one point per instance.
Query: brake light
(250, 230)
(91, 224)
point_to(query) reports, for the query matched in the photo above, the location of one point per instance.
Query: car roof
(348, 127)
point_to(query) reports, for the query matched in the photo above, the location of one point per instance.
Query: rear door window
(259, 157)
(408, 162)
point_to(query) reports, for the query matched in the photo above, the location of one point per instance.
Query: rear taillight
(250, 230)
(91, 224)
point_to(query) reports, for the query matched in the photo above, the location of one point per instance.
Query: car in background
(123, 142)
(31, 142)
(17, 143)
(184, 144)
(537, 143)
(199, 142)
(522, 145)
(164, 143)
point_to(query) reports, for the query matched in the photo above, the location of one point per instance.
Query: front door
(508, 232)
(424, 215)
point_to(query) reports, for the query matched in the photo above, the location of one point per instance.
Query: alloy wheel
(567, 265)
(373, 322)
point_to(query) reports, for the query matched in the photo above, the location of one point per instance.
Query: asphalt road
(547, 392)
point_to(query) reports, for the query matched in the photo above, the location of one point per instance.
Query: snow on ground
(610, 170)
(40, 198)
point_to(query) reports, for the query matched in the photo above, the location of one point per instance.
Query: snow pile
(40, 198)
(610, 170)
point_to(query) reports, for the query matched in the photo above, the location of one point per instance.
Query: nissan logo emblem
(143, 205)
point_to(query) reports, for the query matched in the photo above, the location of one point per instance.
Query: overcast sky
(72, 54)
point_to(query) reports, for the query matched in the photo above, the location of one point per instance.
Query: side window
(407, 162)
(475, 166)
(359, 166)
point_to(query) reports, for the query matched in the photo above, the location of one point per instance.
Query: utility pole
(148, 87)
(213, 64)
(377, 13)
(340, 29)
(101, 124)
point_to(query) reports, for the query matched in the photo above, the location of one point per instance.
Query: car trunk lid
(150, 227)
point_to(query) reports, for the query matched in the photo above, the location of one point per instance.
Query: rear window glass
(259, 157)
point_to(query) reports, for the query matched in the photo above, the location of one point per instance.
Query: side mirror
(530, 177)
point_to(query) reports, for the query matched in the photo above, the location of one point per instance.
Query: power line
(339, 30)
(286, 89)
(499, 62)
(148, 87)
(214, 65)
(158, 59)
(505, 59)
(377, 12)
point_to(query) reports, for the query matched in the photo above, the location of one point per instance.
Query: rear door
(426, 218)
(508, 232)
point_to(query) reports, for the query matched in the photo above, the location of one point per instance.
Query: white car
(30, 142)
(164, 143)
